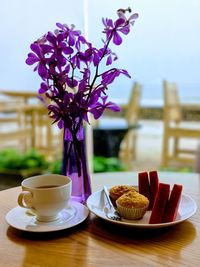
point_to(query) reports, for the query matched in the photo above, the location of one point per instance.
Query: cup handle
(25, 199)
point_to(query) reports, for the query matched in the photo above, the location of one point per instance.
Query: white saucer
(97, 202)
(21, 219)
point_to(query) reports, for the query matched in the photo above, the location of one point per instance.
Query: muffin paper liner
(131, 213)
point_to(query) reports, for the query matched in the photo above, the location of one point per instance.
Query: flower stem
(97, 67)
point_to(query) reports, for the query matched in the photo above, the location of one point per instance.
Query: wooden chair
(124, 125)
(23, 95)
(127, 152)
(47, 138)
(12, 132)
(25, 126)
(175, 130)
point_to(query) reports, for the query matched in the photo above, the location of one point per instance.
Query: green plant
(102, 164)
(55, 167)
(14, 160)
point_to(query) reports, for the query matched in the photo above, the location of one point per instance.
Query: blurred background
(162, 56)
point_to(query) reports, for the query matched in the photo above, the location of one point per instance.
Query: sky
(164, 43)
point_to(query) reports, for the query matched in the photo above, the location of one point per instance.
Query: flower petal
(125, 30)
(51, 38)
(61, 124)
(117, 40)
(109, 60)
(119, 22)
(42, 70)
(134, 16)
(112, 106)
(125, 72)
(43, 88)
(35, 48)
(32, 59)
(46, 48)
(67, 50)
(97, 112)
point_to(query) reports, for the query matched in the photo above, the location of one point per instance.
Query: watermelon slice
(160, 203)
(143, 184)
(154, 182)
(173, 204)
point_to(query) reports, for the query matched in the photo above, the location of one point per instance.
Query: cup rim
(24, 185)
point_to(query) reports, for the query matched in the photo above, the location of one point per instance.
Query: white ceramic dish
(97, 202)
(22, 219)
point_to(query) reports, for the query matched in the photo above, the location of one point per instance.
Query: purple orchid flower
(109, 76)
(69, 67)
(38, 57)
(121, 25)
(98, 109)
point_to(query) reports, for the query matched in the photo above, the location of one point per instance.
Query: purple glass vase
(74, 163)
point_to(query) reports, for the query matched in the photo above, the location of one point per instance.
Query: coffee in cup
(46, 195)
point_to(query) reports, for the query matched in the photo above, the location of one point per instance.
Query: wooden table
(99, 243)
(23, 115)
(25, 95)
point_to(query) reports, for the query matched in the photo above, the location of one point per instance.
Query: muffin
(132, 205)
(117, 191)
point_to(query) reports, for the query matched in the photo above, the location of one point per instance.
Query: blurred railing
(190, 112)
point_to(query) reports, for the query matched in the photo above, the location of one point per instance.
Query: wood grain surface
(96, 242)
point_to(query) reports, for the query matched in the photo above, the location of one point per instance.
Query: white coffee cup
(46, 195)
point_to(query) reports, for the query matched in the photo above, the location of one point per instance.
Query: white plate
(97, 202)
(22, 219)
